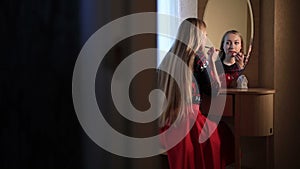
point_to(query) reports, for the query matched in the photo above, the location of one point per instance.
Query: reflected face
(232, 44)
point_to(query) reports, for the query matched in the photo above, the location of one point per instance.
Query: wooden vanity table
(252, 110)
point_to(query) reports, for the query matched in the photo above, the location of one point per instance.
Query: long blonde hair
(179, 95)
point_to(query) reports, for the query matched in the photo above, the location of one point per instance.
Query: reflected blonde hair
(188, 41)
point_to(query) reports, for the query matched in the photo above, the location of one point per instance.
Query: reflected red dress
(218, 150)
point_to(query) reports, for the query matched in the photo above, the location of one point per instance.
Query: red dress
(214, 153)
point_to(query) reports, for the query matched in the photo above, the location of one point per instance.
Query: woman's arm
(206, 74)
(212, 57)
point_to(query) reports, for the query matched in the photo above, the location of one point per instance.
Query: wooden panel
(221, 105)
(228, 110)
(255, 114)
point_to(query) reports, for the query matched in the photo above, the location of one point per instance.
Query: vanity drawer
(255, 114)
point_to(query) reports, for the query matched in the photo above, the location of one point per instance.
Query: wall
(96, 157)
(221, 16)
(278, 37)
(286, 66)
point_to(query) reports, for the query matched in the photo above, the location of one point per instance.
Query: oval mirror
(221, 16)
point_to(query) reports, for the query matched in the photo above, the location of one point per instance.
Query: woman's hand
(213, 54)
(239, 59)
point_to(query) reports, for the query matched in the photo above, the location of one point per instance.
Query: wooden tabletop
(247, 91)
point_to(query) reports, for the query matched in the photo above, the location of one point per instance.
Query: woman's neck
(228, 60)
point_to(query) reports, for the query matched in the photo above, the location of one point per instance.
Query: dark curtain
(40, 42)
(39, 47)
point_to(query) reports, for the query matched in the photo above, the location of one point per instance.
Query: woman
(201, 146)
(232, 57)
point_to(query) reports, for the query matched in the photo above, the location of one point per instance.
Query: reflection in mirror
(221, 16)
(230, 28)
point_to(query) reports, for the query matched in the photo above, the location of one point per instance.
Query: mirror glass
(221, 16)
